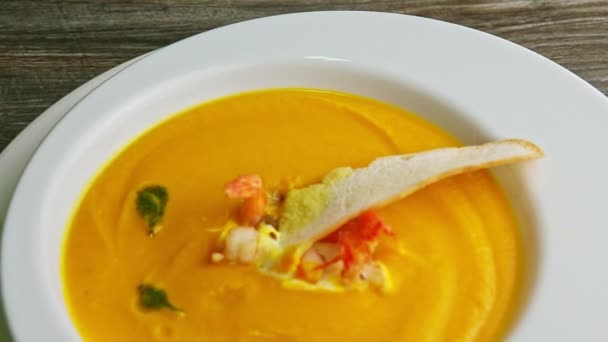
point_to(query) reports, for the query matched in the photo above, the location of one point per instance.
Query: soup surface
(456, 275)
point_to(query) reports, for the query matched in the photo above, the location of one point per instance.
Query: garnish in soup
(152, 298)
(151, 202)
(331, 227)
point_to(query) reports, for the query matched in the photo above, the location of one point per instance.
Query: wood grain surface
(48, 48)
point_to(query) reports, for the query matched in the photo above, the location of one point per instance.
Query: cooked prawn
(241, 245)
(357, 240)
(249, 188)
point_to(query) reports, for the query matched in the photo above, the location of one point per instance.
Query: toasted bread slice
(391, 178)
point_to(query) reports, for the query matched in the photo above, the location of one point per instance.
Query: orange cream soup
(456, 278)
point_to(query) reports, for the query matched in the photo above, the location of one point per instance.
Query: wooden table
(48, 48)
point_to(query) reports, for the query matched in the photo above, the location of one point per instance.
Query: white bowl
(475, 85)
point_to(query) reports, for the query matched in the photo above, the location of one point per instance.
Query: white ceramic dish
(475, 85)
